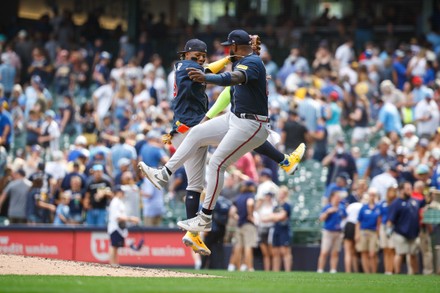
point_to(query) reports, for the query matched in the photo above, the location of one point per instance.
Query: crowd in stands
(75, 120)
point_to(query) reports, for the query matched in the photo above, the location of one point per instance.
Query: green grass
(228, 282)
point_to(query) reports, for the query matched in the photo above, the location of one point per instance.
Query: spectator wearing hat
(421, 154)
(37, 95)
(6, 128)
(132, 193)
(16, 191)
(419, 90)
(427, 115)
(33, 159)
(403, 227)
(38, 206)
(332, 215)
(98, 192)
(76, 171)
(79, 147)
(117, 223)
(406, 171)
(381, 160)
(340, 160)
(409, 137)
(266, 185)
(333, 117)
(101, 72)
(385, 180)
(341, 184)
(152, 153)
(50, 133)
(390, 94)
(123, 165)
(399, 69)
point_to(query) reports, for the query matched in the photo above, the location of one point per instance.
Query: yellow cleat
(194, 241)
(294, 158)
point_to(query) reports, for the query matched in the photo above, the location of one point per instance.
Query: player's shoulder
(183, 64)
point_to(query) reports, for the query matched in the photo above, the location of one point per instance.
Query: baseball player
(189, 106)
(235, 133)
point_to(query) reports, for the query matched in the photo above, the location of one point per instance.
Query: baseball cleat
(200, 223)
(159, 177)
(294, 159)
(194, 241)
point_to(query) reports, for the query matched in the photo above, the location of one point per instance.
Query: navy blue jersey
(250, 97)
(404, 214)
(190, 102)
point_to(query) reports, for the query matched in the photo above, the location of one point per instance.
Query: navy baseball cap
(237, 37)
(194, 45)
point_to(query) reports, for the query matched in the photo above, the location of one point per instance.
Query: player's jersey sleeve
(250, 68)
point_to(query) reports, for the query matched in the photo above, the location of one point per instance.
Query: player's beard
(233, 58)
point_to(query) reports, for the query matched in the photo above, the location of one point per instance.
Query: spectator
(62, 213)
(103, 97)
(427, 115)
(50, 133)
(293, 132)
(98, 191)
(16, 191)
(38, 209)
(388, 119)
(282, 233)
(380, 161)
(409, 139)
(339, 161)
(350, 255)
(101, 72)
(119, 151)
(399, 69)
(367, 231)
(332, 215)
(385, 241)
(7, 74)
(403, 223)
(6, 128)
(132, 199)
(360, 117)
(152, 152)
(117, 224)
(246, 235)
(68, 121)
(76, 203)
(264, 208)
(152, 203)
(385, 180)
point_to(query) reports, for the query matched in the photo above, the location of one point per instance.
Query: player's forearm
(226, 78)
(221, 103)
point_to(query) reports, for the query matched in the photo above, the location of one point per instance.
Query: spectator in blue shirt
(399, 69)
(5, 128)
(388, 119)
(367, 232)
(403, 222)
(152, 152)
(332, 216)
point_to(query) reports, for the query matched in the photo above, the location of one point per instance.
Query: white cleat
(200, 223)
(159, 177)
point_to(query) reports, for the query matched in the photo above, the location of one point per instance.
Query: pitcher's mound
(27, 265)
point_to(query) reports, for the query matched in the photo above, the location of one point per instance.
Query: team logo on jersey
(241, 66)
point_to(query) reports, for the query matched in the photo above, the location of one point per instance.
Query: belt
(259, 118)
